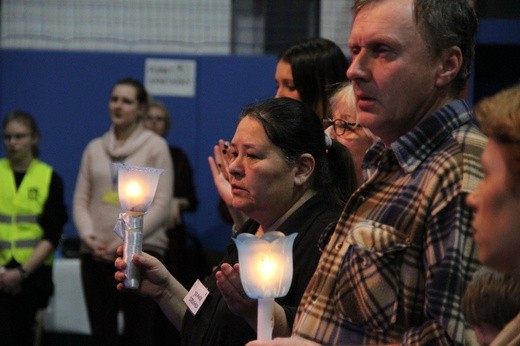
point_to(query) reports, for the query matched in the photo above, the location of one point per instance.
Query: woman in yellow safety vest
(32, 216)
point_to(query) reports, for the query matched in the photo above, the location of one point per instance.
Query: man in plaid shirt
(396, 266)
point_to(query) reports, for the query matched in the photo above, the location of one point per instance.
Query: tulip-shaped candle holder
(266, 269)
(136, 190)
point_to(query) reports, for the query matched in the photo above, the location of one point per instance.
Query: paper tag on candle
(196, 297)
(121, 225)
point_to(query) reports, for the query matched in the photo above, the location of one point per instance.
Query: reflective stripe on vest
(4, 245)
(19, 218)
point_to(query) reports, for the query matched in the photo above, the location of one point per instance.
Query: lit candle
(267, 267)
(133, 190)
(136, 189)
(266, 273)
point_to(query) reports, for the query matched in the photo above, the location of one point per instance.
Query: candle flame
(267, 267)
(133, 189)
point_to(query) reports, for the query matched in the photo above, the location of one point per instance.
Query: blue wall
(68, 94)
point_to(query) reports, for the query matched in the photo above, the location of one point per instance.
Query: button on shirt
(398, 262)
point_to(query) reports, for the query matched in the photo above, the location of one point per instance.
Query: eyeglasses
(340, 126)
(154, 118)
(15, 136)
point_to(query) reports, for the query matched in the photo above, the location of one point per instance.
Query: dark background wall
(497, 54)
(68, 94)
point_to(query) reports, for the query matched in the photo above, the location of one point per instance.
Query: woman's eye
(291, 87)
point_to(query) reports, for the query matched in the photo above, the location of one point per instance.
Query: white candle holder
(266, 269)
(136, 190)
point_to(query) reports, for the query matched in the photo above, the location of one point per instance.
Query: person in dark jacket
(286, 175)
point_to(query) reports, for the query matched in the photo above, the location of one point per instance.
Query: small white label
(170, 77)
(196, 297)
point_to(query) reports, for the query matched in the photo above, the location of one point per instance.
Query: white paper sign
(170, 77)
(196, 297)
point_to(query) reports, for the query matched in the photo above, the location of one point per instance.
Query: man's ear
(304, 169)
(449, 66)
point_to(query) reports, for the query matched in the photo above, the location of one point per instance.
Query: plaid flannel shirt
(397, 264)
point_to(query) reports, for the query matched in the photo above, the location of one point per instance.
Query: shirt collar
(415, 146)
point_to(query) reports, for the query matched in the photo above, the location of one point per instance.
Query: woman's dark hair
(317, 65)
(26, 119)
(294, 128)
(141, 94)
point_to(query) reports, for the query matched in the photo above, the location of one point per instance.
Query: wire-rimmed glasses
(340, 126)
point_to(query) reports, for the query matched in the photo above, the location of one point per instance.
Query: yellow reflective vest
(19, 210)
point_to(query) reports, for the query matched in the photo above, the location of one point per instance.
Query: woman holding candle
(96, 207)
(288, 176)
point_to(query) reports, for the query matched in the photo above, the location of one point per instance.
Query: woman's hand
(108, 252)
(99, 249)
(219, 169)
(230, 286)
(154, 276)
(11, 281)
(157, 283)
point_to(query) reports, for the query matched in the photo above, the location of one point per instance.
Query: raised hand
(219, 169)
